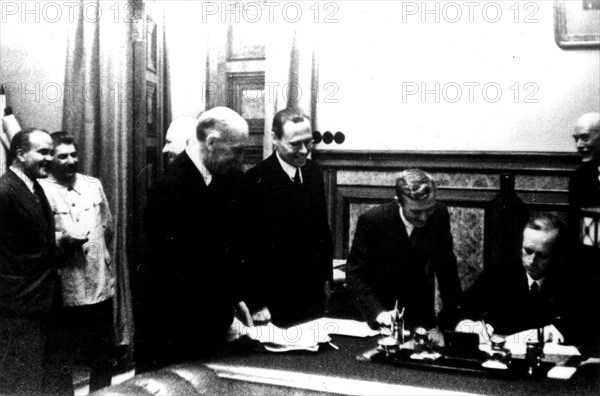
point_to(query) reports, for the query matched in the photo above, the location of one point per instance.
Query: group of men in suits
(400, 247)
(260, 242)
(219, 239)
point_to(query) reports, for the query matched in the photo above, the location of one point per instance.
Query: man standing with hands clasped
(30, 362)
(289, 248)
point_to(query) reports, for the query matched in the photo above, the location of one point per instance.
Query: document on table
(306, 336)
(347, 327)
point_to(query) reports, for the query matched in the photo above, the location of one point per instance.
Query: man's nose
(303, 149)
(579, 143)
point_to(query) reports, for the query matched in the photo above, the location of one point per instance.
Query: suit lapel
(27, 201)
(194, 178)
(277, 172)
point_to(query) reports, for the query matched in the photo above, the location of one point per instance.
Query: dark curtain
(98, 111)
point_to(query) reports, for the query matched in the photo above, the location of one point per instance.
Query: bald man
(584, 188)
(191, 227)
(180, 133)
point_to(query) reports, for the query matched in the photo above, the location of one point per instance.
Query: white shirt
(530, 281)
(409, 226)
(193, 151)
(289, 169)
(87, 276)
(28, 182)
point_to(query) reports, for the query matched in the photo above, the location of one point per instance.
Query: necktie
(413, 236)
(534, 291)
(42, 200)
(297, 179)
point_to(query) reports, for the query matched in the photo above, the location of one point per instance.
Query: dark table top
(343, 363)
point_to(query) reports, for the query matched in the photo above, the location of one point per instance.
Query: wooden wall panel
(485, 192)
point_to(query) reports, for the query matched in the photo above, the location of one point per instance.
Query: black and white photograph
(316, 197)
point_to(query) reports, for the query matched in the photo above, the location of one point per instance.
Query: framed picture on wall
(247, 97)
(576, 23)
(151, 109)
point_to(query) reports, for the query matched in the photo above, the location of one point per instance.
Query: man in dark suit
(397, 250)
(289, 247)
(192, 229)
(584, 187)
(29, 288)
(538, 292)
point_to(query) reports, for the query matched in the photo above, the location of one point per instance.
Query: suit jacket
(288, 253)
(502, 298)
(584, 186)
(191, 232)
(28, 279)
(384, 266)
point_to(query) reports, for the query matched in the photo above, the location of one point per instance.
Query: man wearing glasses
(288, 254)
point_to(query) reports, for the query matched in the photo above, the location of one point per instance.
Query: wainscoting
(489, 195)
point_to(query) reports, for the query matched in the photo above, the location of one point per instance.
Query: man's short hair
(292, 114)
(220, 119)
(21, 141)
(416, 185)
(549, 222)
(62, 137)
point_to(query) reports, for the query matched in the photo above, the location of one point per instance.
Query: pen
(334, 346)
(486, 329)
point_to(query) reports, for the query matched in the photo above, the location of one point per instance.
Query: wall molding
(491, 161)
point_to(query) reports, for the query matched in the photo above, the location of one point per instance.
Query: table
(332, 371)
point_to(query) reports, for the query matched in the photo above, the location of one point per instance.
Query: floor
(81, 377)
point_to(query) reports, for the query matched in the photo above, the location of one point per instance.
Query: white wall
(32, 65)
(186, 38)
(371, 55)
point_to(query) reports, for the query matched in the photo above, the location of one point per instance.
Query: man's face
(36, 160)
(64, 163)
(174, 145)
(224, 153)
(587, 140)
(296, 143)
(417, 212)
(537, 252)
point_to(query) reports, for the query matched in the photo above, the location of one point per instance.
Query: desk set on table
(369, 365)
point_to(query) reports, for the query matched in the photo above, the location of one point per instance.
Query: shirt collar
(409, 226)
(290, 170)
(28, 182)
(193, 151)
(530, 281)
(74, 187)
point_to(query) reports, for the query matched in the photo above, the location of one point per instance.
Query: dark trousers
(91, 334)
(32, 360)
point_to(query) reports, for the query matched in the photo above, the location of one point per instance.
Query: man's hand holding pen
(484, 330)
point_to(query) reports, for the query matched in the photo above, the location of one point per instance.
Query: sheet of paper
(516, 344)
(304, 335)
(346, 327)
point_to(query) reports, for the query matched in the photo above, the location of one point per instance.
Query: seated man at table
(539, 292)
(397, 250)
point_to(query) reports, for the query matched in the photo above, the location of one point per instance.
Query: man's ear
(212, 139)
(19, 157)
